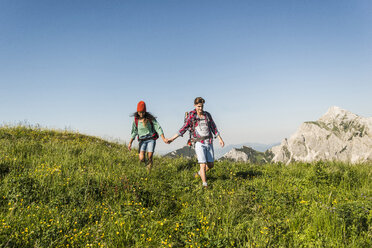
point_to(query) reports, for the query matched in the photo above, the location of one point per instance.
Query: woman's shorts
(204, 152)
(147, 145)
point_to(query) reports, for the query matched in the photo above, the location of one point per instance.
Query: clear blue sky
(264, 67)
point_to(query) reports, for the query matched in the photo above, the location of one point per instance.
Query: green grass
(63, 189)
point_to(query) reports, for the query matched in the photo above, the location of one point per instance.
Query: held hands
(169, 140)
(172, 139)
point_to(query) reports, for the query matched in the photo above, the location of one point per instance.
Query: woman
(203, 129)
(146, 127)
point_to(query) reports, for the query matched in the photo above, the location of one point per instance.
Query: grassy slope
(65, 189)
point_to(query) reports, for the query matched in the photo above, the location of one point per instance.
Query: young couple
(146, 127)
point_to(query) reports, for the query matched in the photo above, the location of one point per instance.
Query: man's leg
(207, 168)
(200, 153)
(210, 165)
(209, 156)
(202, 174)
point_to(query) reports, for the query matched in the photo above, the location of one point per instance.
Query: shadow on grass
(241, 174)
(248, 174)
(187, 165)
(4, 169)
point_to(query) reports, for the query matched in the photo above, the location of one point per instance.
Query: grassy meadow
(64, 189)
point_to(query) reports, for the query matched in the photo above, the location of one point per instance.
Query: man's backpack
(155, 136)
(189, 141)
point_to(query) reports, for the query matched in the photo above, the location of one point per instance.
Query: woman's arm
(164, 139)
(130, 144)
(133, 135)
(159, 130)
(157, 127)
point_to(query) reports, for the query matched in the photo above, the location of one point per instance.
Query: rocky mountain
(338, 135)
(248, 154)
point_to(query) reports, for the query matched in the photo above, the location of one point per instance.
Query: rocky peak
(337, 114)
(341, 122)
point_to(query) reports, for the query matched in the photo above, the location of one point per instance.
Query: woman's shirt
(145, 131)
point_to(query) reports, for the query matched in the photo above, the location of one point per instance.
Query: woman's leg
(141, 156)
(149, 163)
(150, 152)
(142, 150)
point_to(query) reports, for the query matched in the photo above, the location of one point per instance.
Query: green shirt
(143, 131)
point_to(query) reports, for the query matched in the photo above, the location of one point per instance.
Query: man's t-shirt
(202, 128)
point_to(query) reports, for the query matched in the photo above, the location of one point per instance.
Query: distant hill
(248, 154)
(185, 152)
(219, 152)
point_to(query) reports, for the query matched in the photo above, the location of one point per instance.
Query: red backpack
(155, 136)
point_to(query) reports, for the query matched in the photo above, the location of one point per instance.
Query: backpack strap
(192, 115)
(194, 122)
(192, 126)
(136, 121)
(155, 136)
(207, 117)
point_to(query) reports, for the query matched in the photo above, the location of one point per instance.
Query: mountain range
(338, 135)
(218, 151)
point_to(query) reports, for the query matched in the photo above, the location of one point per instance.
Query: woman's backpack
(155, 135)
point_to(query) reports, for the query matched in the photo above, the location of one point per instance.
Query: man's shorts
(204, 152)
(147, 145)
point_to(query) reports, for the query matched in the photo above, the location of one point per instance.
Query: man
(203, 129)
